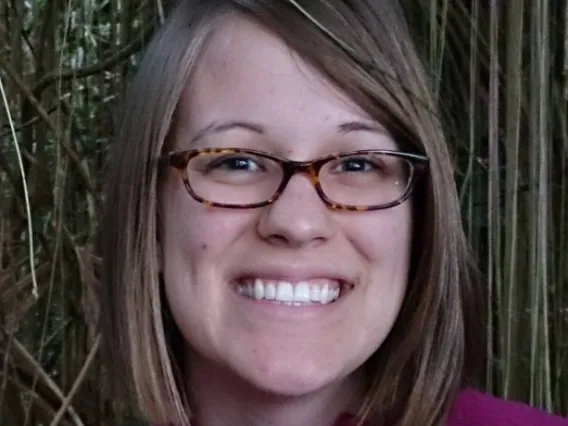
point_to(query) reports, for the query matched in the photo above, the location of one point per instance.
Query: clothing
(473, 408)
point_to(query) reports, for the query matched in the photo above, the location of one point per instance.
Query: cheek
(384, 241)
(386, 244)
(190, 230)
(197, 239)
(384, 237)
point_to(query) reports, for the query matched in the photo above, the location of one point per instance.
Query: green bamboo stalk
(540, 392)
(493, 190)
(433, 42)
(532, 200)
(513, 93)
(543, 55)
(561, 293)
(565, 67)
(468, 180)
(561, 298)
(438, 34)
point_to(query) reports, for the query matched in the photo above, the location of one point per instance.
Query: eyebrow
(347, 127)
(354, 126)
(224, 127)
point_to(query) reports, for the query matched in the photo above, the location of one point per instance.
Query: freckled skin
(256, 79)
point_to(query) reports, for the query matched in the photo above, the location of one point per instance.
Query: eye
(357, 164)
(234, 162)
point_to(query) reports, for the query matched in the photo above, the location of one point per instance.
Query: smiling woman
(282, 240)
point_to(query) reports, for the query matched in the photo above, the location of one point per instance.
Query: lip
(266, 311)
(293, 274)
(292, 270)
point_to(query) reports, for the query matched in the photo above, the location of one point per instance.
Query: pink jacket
(473, 408)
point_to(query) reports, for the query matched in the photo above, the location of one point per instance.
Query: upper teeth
(301, 293)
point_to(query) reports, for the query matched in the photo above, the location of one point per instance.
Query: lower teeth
(280, 302)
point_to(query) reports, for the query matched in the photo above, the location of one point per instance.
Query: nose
(298, 217)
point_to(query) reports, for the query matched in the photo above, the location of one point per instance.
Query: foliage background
(500, 70)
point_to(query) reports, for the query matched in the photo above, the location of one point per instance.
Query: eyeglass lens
(365, 179)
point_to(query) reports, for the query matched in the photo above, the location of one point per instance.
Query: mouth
(321, 291)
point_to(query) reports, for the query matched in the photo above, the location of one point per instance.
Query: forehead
(247, 73)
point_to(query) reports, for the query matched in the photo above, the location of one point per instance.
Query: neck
(221, 398)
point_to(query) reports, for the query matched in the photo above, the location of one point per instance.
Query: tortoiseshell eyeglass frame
(180, 159)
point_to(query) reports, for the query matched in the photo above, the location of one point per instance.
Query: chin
(287, 378)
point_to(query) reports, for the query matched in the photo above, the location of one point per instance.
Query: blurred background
(500, 72)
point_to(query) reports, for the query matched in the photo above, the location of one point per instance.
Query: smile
(301, 293)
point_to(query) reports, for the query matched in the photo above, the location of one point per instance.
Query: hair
(363, 47)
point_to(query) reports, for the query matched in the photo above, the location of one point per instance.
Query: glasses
(243, 178)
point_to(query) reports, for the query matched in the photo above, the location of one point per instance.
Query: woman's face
(247, 75)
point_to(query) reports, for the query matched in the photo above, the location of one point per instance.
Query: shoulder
(473, 408)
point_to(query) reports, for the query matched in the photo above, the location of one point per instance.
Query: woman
(282, 241)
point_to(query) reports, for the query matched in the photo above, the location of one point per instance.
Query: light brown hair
(363, 47)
